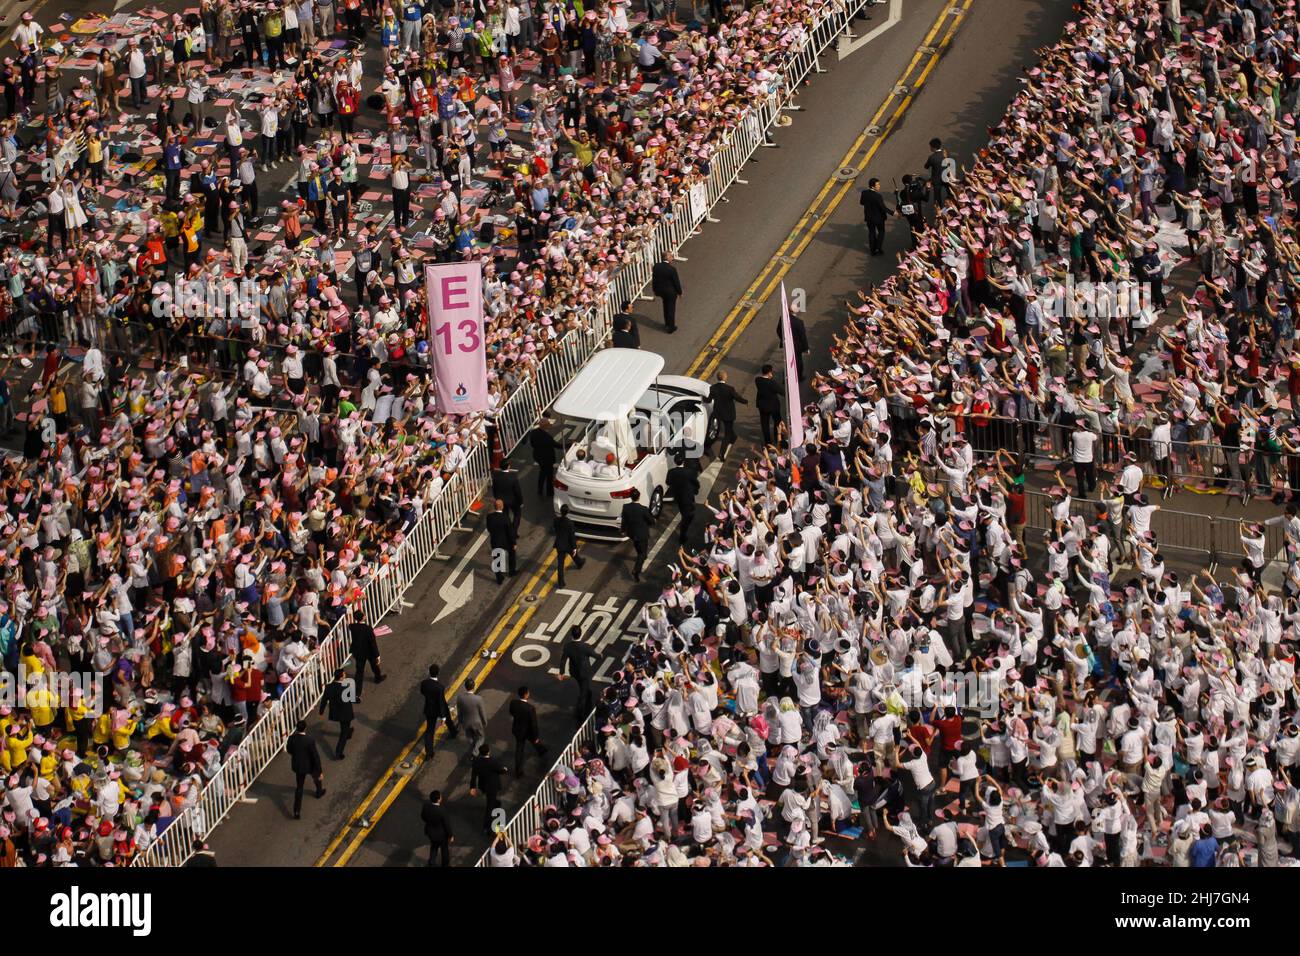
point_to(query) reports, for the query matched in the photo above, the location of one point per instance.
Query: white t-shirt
(1081, 443)
(920, 771)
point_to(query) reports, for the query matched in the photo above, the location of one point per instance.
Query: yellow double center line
(829, 196)
(503, 634)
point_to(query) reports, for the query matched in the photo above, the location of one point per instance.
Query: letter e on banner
(455, 293)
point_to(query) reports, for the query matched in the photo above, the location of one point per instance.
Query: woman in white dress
(74, 217)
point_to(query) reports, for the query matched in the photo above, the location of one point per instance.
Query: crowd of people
(873, 657)
(201, 492)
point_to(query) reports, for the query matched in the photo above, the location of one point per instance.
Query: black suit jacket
(436, 825)
(664, 281)
(874, 209)
(365, 646)
(545, 447)
(566, 538)
(336, 699)
(435, 699)
(631, 337)
(724, 399)
(523, 720)
(635, 521)
(505, 485)
(501, 530)
(303, 756)
(578, 658)
(798, 332)
(683, 484)
(485, 774)
(768, 394)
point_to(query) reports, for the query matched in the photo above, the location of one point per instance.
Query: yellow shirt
(81, 786)
(16, 749)
(40, 702)
(94, 149)
(100, 731)
(160, 726)
(122, 736)
(191, 230)
(75, 712)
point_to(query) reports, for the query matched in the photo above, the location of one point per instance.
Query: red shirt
(1015, 507)
(949, 732)
(923, 735)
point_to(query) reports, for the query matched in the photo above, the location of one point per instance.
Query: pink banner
(456, 336)
(794, 405)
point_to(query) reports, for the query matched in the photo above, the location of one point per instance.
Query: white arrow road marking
(707, 479)
(847, 47)
(456, 595)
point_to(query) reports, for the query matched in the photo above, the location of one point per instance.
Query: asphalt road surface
(786, 222)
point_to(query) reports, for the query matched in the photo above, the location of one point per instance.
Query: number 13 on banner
(462, 336)
(455, 295)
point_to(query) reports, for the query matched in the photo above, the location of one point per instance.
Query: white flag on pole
(791, 375)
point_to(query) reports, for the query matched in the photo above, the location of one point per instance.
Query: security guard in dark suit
(434, 697)
(667, 285)
(304, 760)
(566, 544)
(683, 483)
(437, 828)
(502, 538)
(876, 213)
(723, 399)
(798, 337)
(578, 658)
(524, 728)
(626, 335)
(339, 695)
(485, 774)
(546, 451)
(768, 402)
(505, 487)
(635, 523)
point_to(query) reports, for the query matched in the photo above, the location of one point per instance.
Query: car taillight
(559, 485)
(627, 493)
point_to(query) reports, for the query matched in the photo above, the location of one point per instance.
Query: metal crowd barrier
(1210, 458)
(267, 737)
(517, 416)
(1207, 539)
(529, 817)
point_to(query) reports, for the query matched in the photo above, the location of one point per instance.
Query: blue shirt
(446, 104)
(1205, 851)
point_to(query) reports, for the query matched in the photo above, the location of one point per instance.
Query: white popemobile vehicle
(630, 422)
